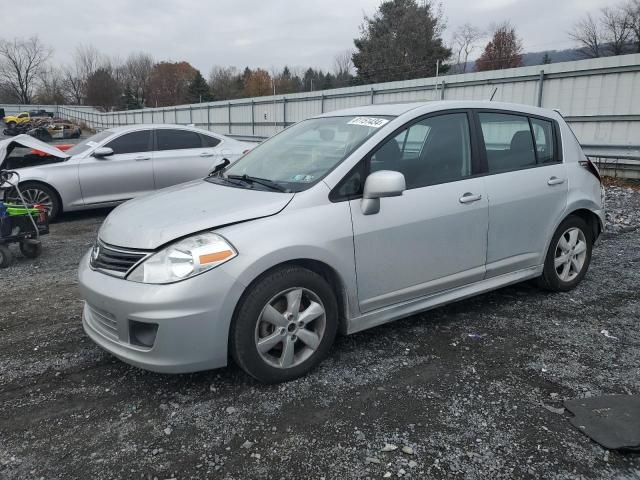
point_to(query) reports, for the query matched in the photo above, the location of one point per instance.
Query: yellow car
(13, 120)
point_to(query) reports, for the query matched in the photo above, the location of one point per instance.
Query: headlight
(184, 259)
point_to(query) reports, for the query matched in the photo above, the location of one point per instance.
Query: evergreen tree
(400, 42)
(198, 90)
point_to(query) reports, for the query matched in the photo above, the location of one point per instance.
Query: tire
(31, 250)
(288, 349)
(33, 191)
(6, 257)
(11, 125)
(570, 249)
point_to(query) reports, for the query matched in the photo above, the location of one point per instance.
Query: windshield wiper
(262, 181)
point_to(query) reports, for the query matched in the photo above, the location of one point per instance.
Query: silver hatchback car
(337, 224)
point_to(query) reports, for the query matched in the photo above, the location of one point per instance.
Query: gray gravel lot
(471, 390)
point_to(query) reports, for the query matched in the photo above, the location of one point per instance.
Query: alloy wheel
(570, 254)
(290, 328)
(34, 196)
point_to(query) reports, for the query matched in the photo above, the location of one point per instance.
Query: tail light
(591, 167)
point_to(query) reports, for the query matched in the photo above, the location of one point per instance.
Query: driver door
(126, 174)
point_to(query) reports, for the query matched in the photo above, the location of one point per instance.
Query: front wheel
(37, 193)
(285, 325)
(569, 256)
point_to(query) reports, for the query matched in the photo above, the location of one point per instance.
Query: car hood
(6, 146)
(152, 220)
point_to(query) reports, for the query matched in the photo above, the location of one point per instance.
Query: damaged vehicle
(55, 131)
(118, 164)
(341, 222)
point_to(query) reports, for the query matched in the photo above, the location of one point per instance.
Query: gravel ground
(471, 390)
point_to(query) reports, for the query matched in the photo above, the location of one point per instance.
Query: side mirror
(219, 166)
(102, 152)
(384, 183)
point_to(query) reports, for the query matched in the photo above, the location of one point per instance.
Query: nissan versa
(340, 223)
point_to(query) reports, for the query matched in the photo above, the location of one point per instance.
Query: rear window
(208, 141)
(543, 134)
(508, 142)
(168, 139)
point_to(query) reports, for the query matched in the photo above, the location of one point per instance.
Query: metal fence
(599, 97)
(14, 109)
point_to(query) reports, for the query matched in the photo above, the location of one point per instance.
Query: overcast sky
(259, 33)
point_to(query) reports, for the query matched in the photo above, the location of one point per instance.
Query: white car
(118, 164)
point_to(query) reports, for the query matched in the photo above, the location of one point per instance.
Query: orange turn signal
(215, 257)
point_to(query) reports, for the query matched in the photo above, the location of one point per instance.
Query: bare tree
(136, 76)
(588, 34)
(632, 10)
(343, 68)
(49, 90)
(225, 83)
(86, 60)
(616, 28)
(21, 64)
(463, 42)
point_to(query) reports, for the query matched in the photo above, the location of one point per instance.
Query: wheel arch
(590, 218)
(323, 269)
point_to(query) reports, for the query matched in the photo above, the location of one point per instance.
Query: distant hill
(535, 58)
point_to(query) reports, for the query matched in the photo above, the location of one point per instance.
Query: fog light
(142, 334)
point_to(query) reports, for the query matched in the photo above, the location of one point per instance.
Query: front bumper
(192, 318)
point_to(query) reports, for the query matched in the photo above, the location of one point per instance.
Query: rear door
(121, 176)
(526, 185)
(434, 236)
(182, 155)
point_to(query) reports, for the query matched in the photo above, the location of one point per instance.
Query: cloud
(259, 33)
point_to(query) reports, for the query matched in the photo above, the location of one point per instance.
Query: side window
(543, 134)
(23, 115)
(133, 142)
(177, 139)
(508, 142)
(434, 150)
(350, 186)
(208, 141)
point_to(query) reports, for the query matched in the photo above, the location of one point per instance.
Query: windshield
(89, 142)
(304, 153)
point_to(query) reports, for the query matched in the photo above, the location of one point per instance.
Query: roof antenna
(493, 94)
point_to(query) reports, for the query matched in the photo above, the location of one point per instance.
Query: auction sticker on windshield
(369, 122)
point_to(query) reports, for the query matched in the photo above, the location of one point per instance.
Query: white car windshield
(89, 142)
(302, 154)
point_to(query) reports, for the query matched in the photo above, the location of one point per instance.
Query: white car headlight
(184, 259)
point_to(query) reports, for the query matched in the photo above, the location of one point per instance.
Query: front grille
(104, 322)
(115, 260)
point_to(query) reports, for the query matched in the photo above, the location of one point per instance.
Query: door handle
(141, 158)
(470, 197)
(206, 154)
(555, 181)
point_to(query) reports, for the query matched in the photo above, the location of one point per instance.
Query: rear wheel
(6, 256)
(285, 325)
(37, 193)
(569, 256)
